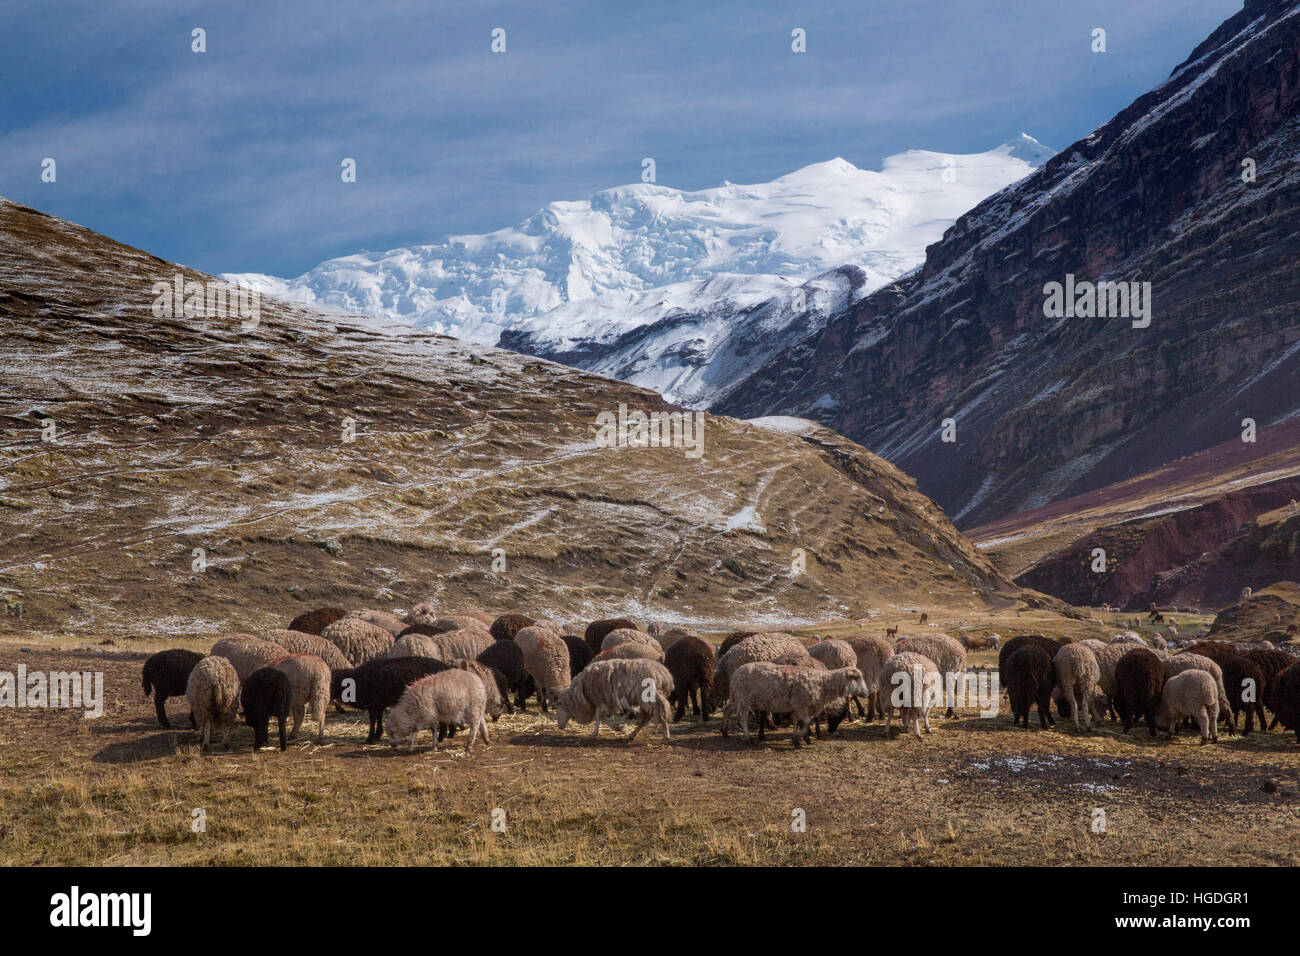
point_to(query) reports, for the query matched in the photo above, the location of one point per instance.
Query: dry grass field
(120, 790)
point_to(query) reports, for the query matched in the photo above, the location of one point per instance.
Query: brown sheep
(505, 627)
(691, 661)
(1139, 679)
(596, 630)
(313, 622)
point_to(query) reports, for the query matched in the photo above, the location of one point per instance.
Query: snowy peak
(1026, 148)
(627, 240)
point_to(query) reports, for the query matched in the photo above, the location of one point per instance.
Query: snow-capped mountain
(626, 241)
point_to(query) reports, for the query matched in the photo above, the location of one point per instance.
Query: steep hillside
(170, 434)
(1044, 407)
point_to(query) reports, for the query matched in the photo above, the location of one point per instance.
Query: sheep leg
(320, 720)
(280, 719)
(160, 710)
(925, 714)
(473, 733)
(645, 719)
(1259, 710)
(1202, 725)
(796, 735)
(225, 736)
(205, 736)
(298, 713)
(681, 700)
(744, 723)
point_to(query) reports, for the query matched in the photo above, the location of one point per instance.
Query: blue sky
(228, 161)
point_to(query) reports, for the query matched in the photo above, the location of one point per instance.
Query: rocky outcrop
(1044, 407)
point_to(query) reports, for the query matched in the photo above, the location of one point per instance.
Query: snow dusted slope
(632, 239)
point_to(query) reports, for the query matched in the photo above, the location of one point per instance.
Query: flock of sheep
(443, 673)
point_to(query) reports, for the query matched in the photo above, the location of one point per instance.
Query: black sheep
(426, 629)
(1139, 681)
(507, 626)
(1030, 678)
(597, 630)
(1273, 663)
(166, 674)
(691, 661)
(1286, 699)
(580, 654)
(266, 694)
(1049, 644)
(1244, 681)
(378, 684)
(507, 658)
(313, 622)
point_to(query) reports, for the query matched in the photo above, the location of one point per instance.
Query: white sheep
(213, 695)
(803, 692)
(359, 640)
(452, 696)
(309, 683)
(622, 635)
(608, 687)
(834, 653)
(1185, 661)
(391, 623)
(1077, 673)
(416, 645)
(246, 653)
(1191, 693)
(760, 647)
(296, 642)
(872, 652)
(495, 705)
(652, 651)
(948, 655)
(912, 683)
(667, 638)
(467, 643)
(546, 659)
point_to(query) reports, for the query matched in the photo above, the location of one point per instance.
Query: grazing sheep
(422, 614)
(802, 692)
(1159, 643)
(1286, 699)
(213, 694)
(1049, 644)
(835, 654)
(596, 630)
(297, 643)
(948, 655)
(448, 698)
(313, 622)
(546, 659)
(1030, 681)
(759, 647)
(505, 627)
(507, 658)
(309, 683)
(1076, 675)
(623, 635)
(466, 644)
(266, 694)
(247, 653)
(454, 622)
(359, 640)
(166, 674)
(391, 623)
(734, 638)
(379, 684)
(415, 645)
(1272, 663)
(611, 687)
(995, 641)
(1093, 644)
(651, 651)
(1139, 679)
(579, 653)
(496, 691)
(872, 651)
(691, 660)
(1190, 693)
(1108, 657)
(912, 683)
(667, 638)
(1186, 660)
(1244, 681)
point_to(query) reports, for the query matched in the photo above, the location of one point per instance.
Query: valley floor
(120, 790)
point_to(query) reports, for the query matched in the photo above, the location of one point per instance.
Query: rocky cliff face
(1048, 407)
